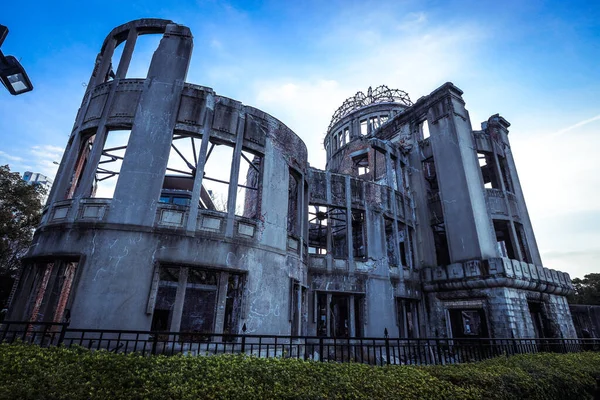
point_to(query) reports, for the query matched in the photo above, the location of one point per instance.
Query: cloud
(575, 126)
(6, 156)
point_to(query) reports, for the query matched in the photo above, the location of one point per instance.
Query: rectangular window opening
(82, 160)
(425, 130)
(293, 221)
(248, 192)
(317, 230)
(145, 46)
(363, 127)
(359, 242)
(339, 241)
(504, 240)
(217, 175)
(109, 166)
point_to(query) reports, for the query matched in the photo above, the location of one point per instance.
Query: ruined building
(214, 220)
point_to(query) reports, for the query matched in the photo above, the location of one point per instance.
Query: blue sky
(537, 63)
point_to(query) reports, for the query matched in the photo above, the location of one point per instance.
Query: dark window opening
(379, 164)
(390, 242)
(504, 240)
(82, 160)
(335, 319)
(359, 243)
(361, 166)
(508, 183)
(339, 224)
(442, 252)
(468, 323)
(293, 200)
(408, 318)
(233, 304)
(521, 238)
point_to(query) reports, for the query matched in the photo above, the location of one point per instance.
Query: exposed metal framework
(381, 94)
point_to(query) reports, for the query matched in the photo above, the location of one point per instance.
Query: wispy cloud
(6, 156)
(575, 126)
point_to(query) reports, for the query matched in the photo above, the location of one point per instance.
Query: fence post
(387, 345)
(63, 330)
(244, 338)
(154, 342)
(321, 355)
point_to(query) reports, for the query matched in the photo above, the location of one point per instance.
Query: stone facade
(417, 226)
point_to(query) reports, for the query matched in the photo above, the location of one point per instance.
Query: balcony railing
(375, 351)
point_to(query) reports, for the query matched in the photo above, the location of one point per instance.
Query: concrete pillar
(351, 317)
(221, 302)
(143, 169)
(126, 55)
(234, 176)
(179, 300)
(461, 185)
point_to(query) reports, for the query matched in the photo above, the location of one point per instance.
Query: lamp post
(12, 74)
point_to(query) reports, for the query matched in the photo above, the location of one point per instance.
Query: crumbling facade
(215, 220)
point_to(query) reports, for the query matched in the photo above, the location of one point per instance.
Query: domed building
(176, 209)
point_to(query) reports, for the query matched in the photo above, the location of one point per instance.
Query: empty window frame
(359, 236)
(317, 229)
(408, 318)
(504, 239)
(217, 176)
(337, 220)
(373, 123)
(111, 73)
(247, 202)
(425, 130)
(334, 318)
(145, 46)
(468, 323)
(522, 240)
(361, 165)
(383, 118)
(379, 164)
(87, 142)
(504, 171)
(442, 252)
(364, 127)
(109, 166)
(193, 293)
(488, 170)
(390, 242)
(293, 220)
(49, 286)
(346, 135)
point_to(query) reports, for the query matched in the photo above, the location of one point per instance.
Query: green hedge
(30, 372)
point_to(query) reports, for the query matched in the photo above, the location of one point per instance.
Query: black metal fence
(374, 351)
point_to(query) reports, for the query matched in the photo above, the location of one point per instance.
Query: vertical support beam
(329, 316)
(197, 188)
(234, 176)
(299, 309)
(179, 300)
(394, 203)
(221, 303)
(145, 163)
(126, 55)
(349, 235)
(329, 258)
(351, 317)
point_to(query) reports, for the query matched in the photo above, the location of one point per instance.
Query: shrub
(30, 372)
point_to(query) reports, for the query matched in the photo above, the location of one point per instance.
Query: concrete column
(395, 235)
(461, 186)
(351, 266)
(143, 169)
(351, 317)
(65, 170)
(179, 299)
(513, 232)
(234, 176)
(221, 302)
(105, 61)
(197, 188)
(328, 305)
(329, 258)
(126, 55)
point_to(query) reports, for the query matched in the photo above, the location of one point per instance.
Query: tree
(587, 290)
(20, 213)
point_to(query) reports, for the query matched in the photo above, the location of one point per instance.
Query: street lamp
(12, 73)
